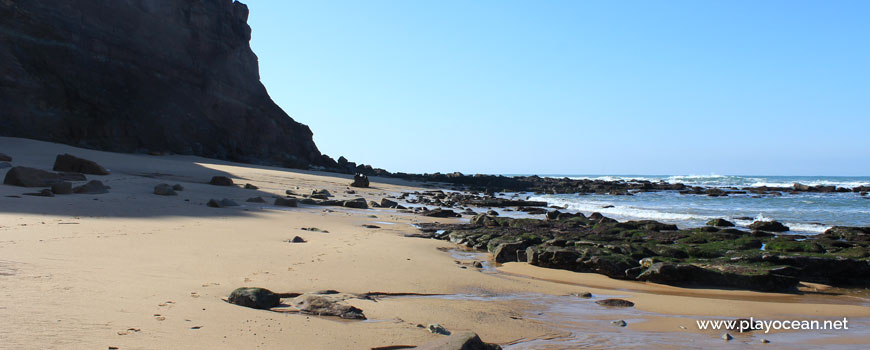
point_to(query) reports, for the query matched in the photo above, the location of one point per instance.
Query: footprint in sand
(194, 294)
(159, 317)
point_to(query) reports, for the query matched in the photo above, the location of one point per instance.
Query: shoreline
(100, 270)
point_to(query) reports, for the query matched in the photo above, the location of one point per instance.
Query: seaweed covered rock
(324, 305)
(849, 233)
(257, 298)
(615, 303)
(441, 213)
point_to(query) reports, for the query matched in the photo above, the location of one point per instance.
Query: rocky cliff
(143, 76)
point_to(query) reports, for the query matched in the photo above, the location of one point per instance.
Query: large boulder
(131, 76)
(257, 298)
(768, 226)
(358, 203)
(465, 340)
(71, 163)
(386, 203)
(511, 251)
(360, 180)
(720, 223)
(31, 177)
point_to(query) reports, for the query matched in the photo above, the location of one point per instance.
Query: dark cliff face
(142, 75)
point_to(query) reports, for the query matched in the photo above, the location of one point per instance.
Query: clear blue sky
(576, 87)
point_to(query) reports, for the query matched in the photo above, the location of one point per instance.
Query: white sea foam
(844, 184)
(811, 228)
(715, 180)
(683, 219)
(625, 212)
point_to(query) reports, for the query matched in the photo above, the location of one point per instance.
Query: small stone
(178, 187)
(5, 158)
(164, 190)
(297, 239)
(477, 264)
(727, 337)
(437, 329)
(43, 193)
(619, 323)
(214, 203)
(251, 187)
(764, 341)
(92, 187)
(228, 203)
(371, 226)
(582, 295)
(256, 200)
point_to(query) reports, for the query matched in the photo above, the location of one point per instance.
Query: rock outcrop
(143, 76)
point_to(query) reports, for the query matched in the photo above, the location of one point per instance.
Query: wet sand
(135, 270)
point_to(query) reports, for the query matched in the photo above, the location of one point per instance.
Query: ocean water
(804, 213)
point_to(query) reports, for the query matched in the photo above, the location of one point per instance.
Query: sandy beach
(133, 270)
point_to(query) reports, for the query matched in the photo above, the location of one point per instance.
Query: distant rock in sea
(162, 76)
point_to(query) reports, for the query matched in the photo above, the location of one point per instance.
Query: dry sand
(135, 270)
